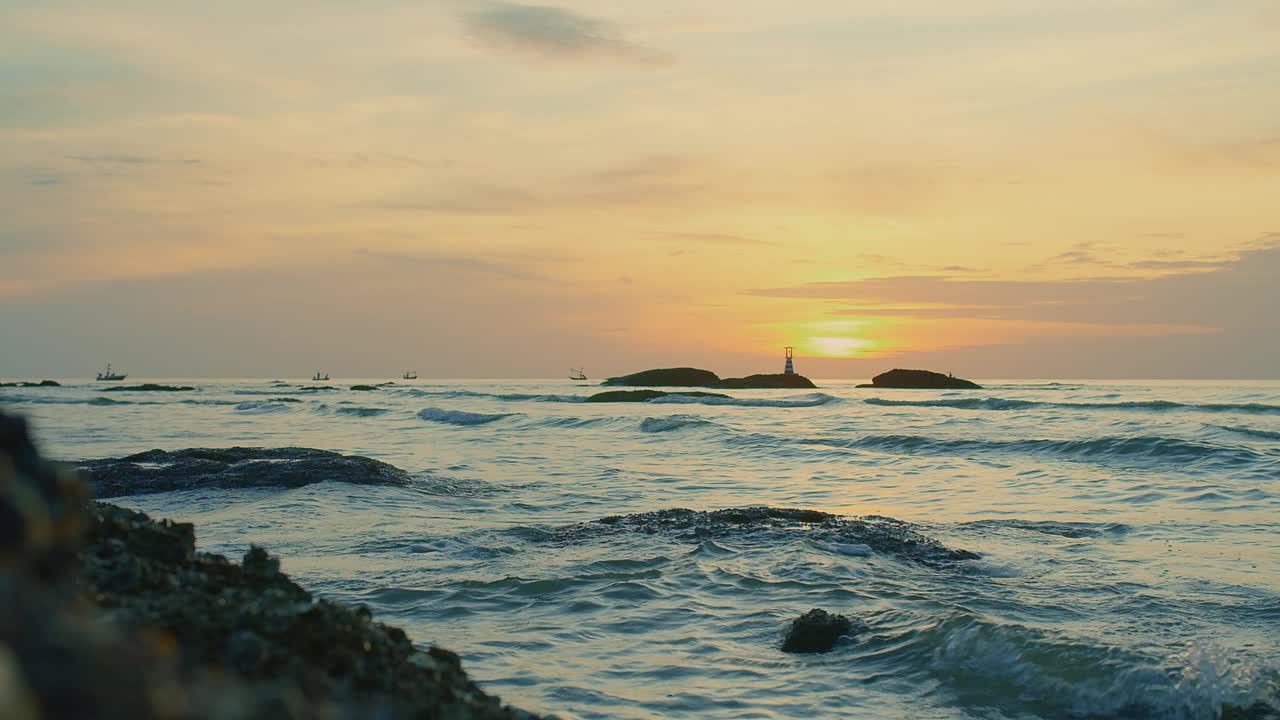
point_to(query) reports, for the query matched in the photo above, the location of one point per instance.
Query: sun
(841, 347)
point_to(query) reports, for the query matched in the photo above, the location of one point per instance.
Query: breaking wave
(1022, 671)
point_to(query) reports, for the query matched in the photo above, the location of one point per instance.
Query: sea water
(1128, 532)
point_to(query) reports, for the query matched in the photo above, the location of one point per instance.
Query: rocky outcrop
(919, 380)
(643, 395)
(777, 380)
(149, 387)
(27, 384)
(695, 377)
(667, 377)
(364, 388)
(106, 613)
(768, 525)
(817, 631)
(238, 467)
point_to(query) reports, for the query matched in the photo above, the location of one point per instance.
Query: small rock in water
(817, 631)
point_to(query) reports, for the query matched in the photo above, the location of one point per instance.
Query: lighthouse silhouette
(790, 370)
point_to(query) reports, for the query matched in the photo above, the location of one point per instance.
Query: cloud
(554, 33)
(453, 264)
(716, 239)
(1237, 294)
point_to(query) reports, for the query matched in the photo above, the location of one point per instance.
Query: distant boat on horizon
(317, 376)
(577, 374)
(409, 375)
(109, 375)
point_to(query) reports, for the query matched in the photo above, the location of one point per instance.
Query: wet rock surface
(364, 388)
(29, 384)
(106, 613)
(149, 387)
(879, 535)
(919, 380)
(643, 395)
(817, 631)
(237, 467)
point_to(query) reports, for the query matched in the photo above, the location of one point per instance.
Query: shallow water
(1127, 530)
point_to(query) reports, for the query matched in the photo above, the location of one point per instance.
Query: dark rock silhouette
(817, 631)
(237, 467)
(919, 380)
(109, 614)
(643, 395)
(667, 377)
(26, 384)
(149, 387)
(364, 388)
(777, 380)
(695, 377)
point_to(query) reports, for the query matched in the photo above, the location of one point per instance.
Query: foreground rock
(26, 384)
(919, 380)
(695, 377)
(817, 631)
(108, 614)
(768, 525)
(643, 395)
(238, 467)
(149, 387)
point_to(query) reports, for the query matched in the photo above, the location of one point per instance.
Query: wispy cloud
(554, 33)
(716, 239)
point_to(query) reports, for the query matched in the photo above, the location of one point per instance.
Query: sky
(994, 188)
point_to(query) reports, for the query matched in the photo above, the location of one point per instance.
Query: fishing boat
(110, 375)
(577, 374)
(409, 375)
(317, 376)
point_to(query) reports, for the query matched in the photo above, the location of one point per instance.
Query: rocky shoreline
(107, 613)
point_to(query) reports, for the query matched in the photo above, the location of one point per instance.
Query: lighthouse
(790, 370)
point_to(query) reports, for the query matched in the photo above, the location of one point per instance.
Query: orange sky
(501, 189)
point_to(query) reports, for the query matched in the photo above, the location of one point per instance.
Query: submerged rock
(817, 631)
(644, 395)
(149, 387)
(920, 380)
(27, 384)
(364, 388)
(106, 613)
(870, 534)
(236, 467)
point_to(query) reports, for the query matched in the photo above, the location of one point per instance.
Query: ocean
(1127, 533)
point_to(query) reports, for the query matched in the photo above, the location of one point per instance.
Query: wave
(993, 403)
(1251, 432)
(1163, 449)
(810, 400)
(459, 417)
(1053, 527)
(262, 407)
(1022, 671)
(361, 411)
(674, 422)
